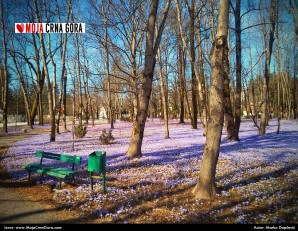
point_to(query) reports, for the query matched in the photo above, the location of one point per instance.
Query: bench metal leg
(29, 178)
(60, 183)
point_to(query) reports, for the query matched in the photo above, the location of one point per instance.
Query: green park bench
(61, 173)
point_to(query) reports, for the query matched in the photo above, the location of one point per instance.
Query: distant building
(102, 113)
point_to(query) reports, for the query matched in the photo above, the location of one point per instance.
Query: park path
(23, 202)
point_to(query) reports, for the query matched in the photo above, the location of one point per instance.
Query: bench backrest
(60, 157)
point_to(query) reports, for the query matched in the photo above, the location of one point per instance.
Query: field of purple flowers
(257, 177)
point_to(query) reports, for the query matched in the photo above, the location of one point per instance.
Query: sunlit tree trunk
(134, 149)
(194, 82)
(49, 85)
(206, 188)
(201, 84)
(54, 88)
(23, 85)
(61, 107)
(181, 83)
(163, 85)
(265, 105)
(37, 103)
(78, 63)
(191, 56)
(134, 69)
(107, 66)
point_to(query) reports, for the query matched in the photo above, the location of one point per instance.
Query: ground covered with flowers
(256, 177)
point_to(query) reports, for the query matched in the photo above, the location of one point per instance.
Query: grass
(147, 191)
(258, 198)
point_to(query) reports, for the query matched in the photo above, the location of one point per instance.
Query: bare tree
(163, 75)
(191, 56)
(46, 71)
(238, 113)
(265, 102)
(206, 188)
(5, 70)
(107, 65)
(181, 80)
(199, 77)
(134, 149)
(63, 78)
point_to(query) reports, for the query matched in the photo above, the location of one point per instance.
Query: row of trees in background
(167, 59)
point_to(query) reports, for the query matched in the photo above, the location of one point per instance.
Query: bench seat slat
(51, 170)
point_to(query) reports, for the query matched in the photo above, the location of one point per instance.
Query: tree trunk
(63, 78)
(206, 188)
(278, 102)
(164, 94)
(191, 56)
(265, 106)
(5, 77)
(134, 149)
(23, 86)
(194, 82)
(295, 84)
(228, 113)
(201, 84)
(252, 104)
(64, 102)
(40, 110)
(238, 72)
(134, 70)
(54, 86)
(107, 62)
(37, 100)
(49, 86)
(80, 95)
(181, 83)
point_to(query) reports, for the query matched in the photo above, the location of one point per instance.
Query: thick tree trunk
(134, 149)
(206, 188)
